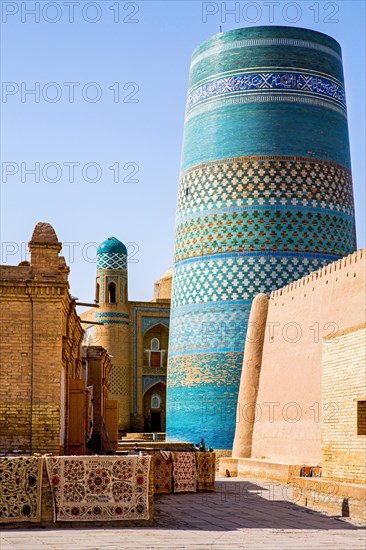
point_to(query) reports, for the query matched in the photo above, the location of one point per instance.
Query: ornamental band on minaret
(265, 197)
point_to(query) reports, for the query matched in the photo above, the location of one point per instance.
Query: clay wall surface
(300, 315)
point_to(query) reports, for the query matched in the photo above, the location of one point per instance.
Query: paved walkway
(240, 514)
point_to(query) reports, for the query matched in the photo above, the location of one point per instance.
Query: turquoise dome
(112, 254)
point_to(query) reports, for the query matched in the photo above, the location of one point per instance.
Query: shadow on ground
(241, 505)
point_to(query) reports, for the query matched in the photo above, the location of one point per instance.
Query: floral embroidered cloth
(184, 472)
(206, 470)
(99, 488)
(163, 472)
(20, 488)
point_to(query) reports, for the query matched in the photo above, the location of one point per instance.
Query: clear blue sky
(154, 53)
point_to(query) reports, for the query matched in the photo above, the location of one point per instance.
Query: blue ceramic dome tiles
(112, 254)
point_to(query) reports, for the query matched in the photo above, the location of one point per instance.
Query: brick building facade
(40, 348)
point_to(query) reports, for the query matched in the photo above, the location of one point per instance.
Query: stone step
(147, 436)
(153, 445)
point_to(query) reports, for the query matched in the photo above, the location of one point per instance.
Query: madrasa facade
(136, 336)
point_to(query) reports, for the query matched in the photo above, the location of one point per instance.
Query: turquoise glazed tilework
(209, 328)
(148, 322)
(253, 47)
(111, 260)
(112, 254)
(270, 128)
(204, 411)
(265, 197)
(233, 277)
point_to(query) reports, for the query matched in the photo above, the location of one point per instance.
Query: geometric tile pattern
(112, 318)
(244, 225)
(247, 182)
(233, 276)
(111, 260)
(264, 229)
(112, 314)
(247, 84)
(119, 381)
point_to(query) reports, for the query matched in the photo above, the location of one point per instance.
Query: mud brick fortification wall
(309, 327)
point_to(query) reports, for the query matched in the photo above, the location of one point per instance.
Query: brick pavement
(240, 514)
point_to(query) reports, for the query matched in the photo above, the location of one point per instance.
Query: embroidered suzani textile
(163, 472)
(206, 470)
(184, 472)
(20, 488)
(96, 488)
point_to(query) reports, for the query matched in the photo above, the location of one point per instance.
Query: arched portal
(154, 408)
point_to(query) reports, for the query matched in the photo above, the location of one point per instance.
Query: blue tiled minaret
(265, 197)
(113, 312)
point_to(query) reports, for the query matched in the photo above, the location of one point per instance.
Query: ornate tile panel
(269, 81)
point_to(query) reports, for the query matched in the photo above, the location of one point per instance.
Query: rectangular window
(361, 418)
(155, 358)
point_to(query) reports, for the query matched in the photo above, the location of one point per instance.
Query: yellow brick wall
(343, 383)
(40, 349)
(35, 352)
(15, 374)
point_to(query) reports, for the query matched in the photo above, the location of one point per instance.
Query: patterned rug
(163, 473)
(184, 472)
(99, 488)
(20, 488)
(206, 469)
